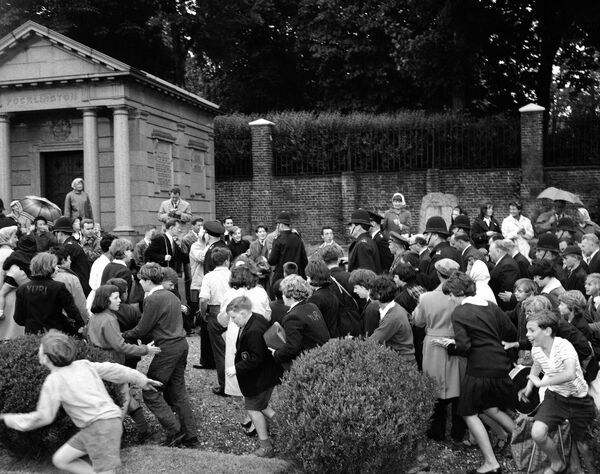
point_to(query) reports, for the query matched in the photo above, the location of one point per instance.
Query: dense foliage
(310, 143)
(484, 56)
(353, 406)
(21, 379)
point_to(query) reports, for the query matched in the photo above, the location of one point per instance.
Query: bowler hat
(63, 224)
(360, 216)
(214, 228)
(284, 218)
(400, 239)
(446, 267)
(572, 250)
(548, 242)
(566, 224)
(375, 216)
(462, 222)
(436, 225)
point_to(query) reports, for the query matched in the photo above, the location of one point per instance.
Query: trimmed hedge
(353, 406)
(21, 379)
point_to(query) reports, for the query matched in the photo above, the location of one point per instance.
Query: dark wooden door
(60, 168)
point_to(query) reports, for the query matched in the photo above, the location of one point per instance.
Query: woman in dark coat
(479, 329)
(318, 277)
(484, 226)
(303, 324)
(41, 301)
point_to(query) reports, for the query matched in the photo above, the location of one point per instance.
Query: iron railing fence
(454, 145)
(573, 141)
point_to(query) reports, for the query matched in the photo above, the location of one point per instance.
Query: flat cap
(360, 216)
(399, 239)
(375, 216)
(214, 228)
(284, 218)
(446, 267)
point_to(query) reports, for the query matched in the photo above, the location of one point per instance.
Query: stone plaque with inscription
(163, 164)
(18, 101)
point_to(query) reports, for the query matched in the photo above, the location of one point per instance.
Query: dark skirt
(480, 393)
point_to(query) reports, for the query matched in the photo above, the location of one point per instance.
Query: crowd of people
(464, 304)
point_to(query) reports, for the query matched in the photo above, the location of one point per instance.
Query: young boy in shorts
(566, 395)
(256, 370)
(77, 386)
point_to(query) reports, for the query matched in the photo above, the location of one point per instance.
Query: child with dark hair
(566, 396)
(77, 386)
(318, 277)
(103, 331)
(544, 275)
(394, 329)
(362, 280)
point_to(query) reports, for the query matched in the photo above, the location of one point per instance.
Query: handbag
(527, 456)
(275, 336)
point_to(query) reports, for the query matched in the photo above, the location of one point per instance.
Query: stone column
(91, 164)
(122, 172)
(532, 155)
(261, 194)
(5, 177)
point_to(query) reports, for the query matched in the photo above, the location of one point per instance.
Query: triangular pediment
(33, 53)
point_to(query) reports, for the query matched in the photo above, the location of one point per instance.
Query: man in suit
(590, 244)
(80, 265)
(287, 247)
(164, 248)
(468, 253)
(385, 254)
(505, 272)
(436, 234)
(140, 248)
(175, 208)
(572, 262)
(418, 244)
(363, 252)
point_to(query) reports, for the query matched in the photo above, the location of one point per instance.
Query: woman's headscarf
(585, 214)
(7, 233)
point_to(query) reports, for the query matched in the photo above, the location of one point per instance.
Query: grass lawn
(226, 449)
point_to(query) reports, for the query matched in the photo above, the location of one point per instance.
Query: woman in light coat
(434, 313)
(518, 228)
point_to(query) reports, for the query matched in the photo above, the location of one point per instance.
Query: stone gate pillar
(261, 194)
(532, 155)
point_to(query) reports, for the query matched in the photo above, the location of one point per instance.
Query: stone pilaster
(532, 155)
(261, 195)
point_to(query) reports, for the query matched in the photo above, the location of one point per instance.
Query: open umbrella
(34, 206)
(556, 194)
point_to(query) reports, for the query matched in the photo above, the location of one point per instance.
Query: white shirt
(554, 364)
(384, 311)
(553, 284)
(96, 271)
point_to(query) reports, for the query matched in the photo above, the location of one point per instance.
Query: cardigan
(479, 332)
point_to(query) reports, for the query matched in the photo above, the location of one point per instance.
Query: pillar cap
(259, 122)
(531, 108)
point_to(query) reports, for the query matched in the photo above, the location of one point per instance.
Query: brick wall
(317, 200)
(585, 182)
